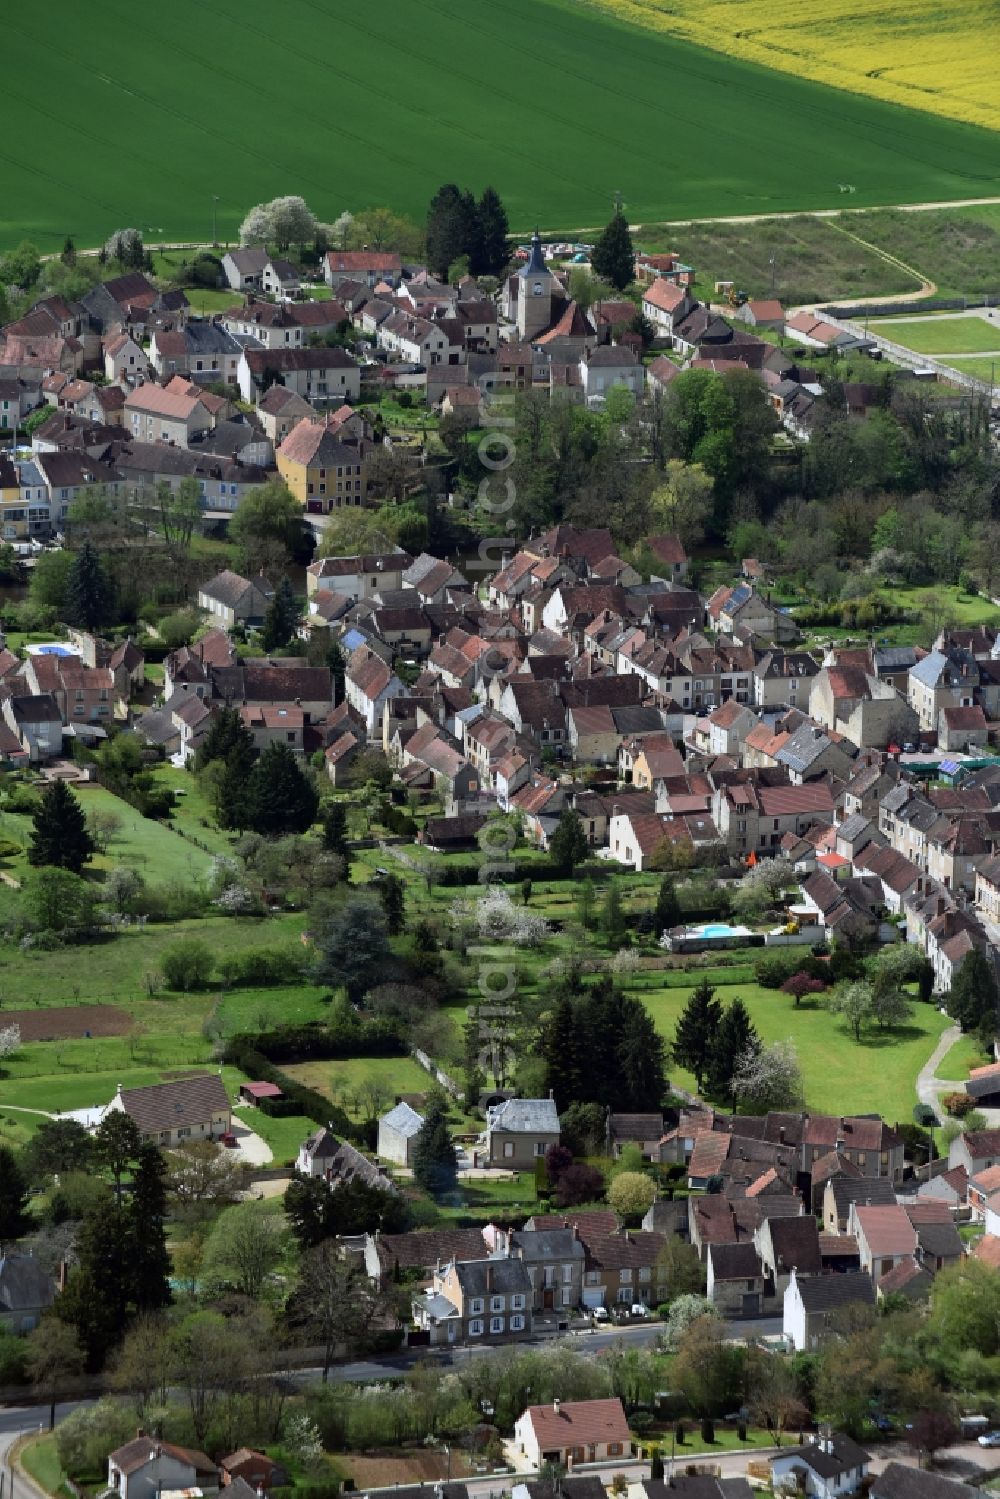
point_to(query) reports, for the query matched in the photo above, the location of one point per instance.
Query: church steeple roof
(536, 261)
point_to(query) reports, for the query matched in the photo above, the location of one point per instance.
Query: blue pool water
(719, 930)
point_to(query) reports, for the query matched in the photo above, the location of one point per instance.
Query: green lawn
(283, 1135)
(977, 367)
(602, 98)
(338, 1080)
(86, 1090)
(206, 300)
(955, 335)
(40, 1457)
(962, 609)
(960, 1059)
(841, 1076)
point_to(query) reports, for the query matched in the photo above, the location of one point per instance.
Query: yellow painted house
(13, 512)
(324, 470)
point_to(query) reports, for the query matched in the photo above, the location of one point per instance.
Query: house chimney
(555, 1405)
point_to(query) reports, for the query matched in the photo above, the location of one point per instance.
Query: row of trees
(460, 228)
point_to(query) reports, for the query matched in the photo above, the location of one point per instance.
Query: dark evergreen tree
(640, 1058)
(68, 255)
(613, 258)
(667, 912)
(561, 1052)
(612, 916)
(147, 1208)
(656, 1467)
(280, 798)
(59, 834)
(435, 1165)
(96, 1298)
(452, 226)
(227, 736)
(89, 600)
(392, 893)
(15, 1221)
(352, 949)
(568, 845)
(117, 1143)
(335, 833)
(338, 671)
(491, 252)
(694, 1038)
(281, 618)
(972, 998)
(735, 1036)
(57, 1146)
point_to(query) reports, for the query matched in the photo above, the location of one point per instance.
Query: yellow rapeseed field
(928, 54)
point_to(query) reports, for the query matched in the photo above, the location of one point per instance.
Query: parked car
(639, 1310)
(599, 1313)
(989, 1439)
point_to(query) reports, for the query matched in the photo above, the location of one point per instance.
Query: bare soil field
(68, 1022)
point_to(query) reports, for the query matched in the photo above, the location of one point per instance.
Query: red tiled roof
(577, 1423)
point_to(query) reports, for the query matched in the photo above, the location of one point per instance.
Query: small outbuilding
(397, 1132)
(252, 1093)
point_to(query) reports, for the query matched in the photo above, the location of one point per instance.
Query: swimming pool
(720, 929)
(51, 648)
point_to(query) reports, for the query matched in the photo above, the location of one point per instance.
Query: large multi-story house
(484, 1300)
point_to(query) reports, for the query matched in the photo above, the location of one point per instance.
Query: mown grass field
(920, 54)
(941, 335)
(558, 103)
(841, 1076)
(980, 368)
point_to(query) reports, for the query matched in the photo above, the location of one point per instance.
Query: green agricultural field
(557, 104)
(813, 259)
(942, 335)
(841, 1077)
(956, 248)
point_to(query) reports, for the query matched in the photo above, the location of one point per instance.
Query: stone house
(487, 1300)
(519, 1131)
(234, 600)
(736, 1279)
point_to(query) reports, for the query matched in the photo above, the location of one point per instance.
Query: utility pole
(772, 264)
(215, 230)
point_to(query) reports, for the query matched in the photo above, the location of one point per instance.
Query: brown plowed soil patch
(67, 1022)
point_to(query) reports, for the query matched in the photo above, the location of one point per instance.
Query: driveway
(929, 1085)
(252, 1149)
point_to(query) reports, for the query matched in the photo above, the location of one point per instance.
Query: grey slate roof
(404, 1120)
(844, 1455)
(932, 669)
(547, 1244)
(852, 826)
(524, 1116)
(876, 1191)
(485, 1277)
(24, 1285)
(824, 1293)
(899, 1482)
